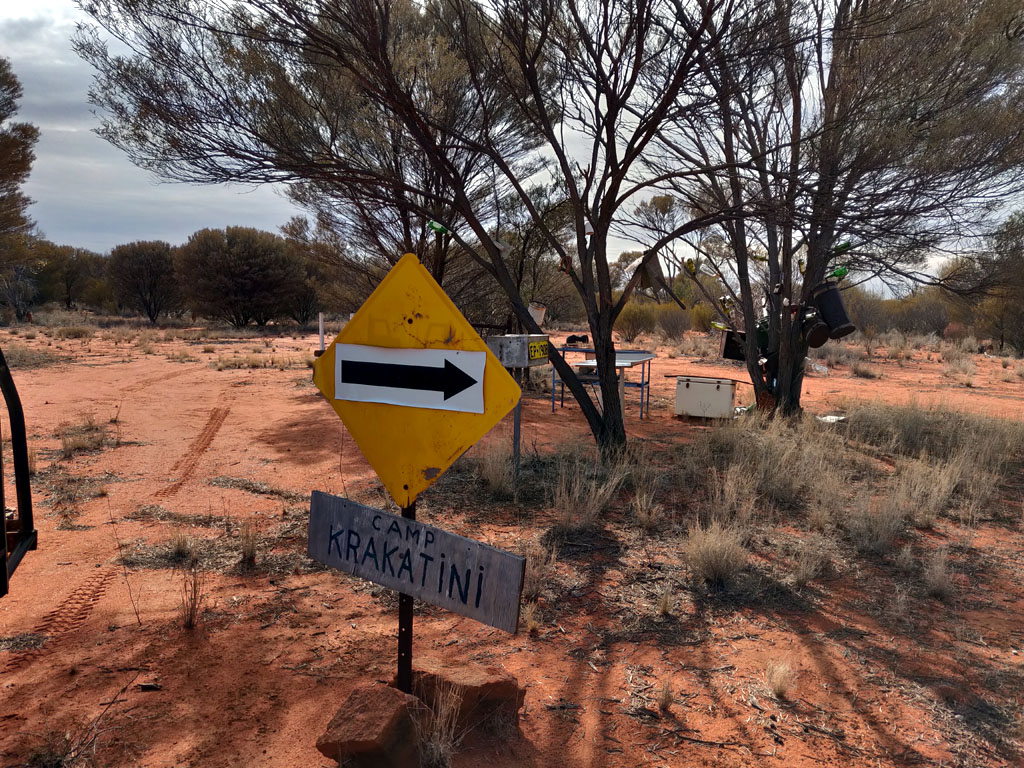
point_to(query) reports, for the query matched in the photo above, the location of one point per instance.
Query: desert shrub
(954, 355)
(19, 356)
(960, 366)
(84, 437)
(861, 371)
(937, 432)
(635, 319)
(119, 335)
(74, 332)
(715, 553)
(833, 353)
(896, 346)
(699, 345)
(252, 362)
(672, 321)
(759, 463)
(701, 316)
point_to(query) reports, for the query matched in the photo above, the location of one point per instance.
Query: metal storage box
(705, 398)
(520, 350)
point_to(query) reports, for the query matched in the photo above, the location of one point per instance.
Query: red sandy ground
(277, 651)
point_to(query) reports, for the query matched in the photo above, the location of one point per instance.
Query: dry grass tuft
(715, 553)
(810, 562)
(666, 697)
(182, 548)
(531, 619)
(19, 356)
(645, 479)
(922, 491)
(645, 511)
(84, 437)
(540, 568)
(496, 470)
(904, 560)
(437, 727)
(667, 600)
(583, 491)
(247, 544)
(861, 371)
(192, 595)
(937, 581)
(874, 525)
(73, 332)
(779, 678)
(181, 356)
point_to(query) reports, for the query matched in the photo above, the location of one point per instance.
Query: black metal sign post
(20, 537)
(404, 680)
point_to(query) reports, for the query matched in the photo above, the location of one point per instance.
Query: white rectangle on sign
(443, 379)
(468, 577)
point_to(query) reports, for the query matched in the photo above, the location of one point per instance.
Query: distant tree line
(241, 276)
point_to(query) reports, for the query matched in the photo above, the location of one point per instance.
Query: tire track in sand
(65, 618)
(186, 465)
(144, 383)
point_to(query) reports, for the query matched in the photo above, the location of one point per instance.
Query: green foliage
(16, 156)
(672, 321)
(142, 277)
(636, 318)
(240, 274)
(701, 316)
(69, 275)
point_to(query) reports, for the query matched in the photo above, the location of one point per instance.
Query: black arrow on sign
(450, 379)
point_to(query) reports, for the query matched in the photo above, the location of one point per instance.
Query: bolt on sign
(464, 576)
(413, 382)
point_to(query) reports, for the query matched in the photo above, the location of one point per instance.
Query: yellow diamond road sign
(412, 381)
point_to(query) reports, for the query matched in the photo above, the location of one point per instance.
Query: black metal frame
(22, 537)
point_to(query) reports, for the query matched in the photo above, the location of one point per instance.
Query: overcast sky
(86, 192)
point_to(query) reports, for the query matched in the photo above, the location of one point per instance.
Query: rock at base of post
(373, 729)
(490, 697)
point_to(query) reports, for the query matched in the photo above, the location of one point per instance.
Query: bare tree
(865, 134)
(284, 91)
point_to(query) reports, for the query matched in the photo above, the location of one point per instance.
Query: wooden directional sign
(413, 382)
(462, 575)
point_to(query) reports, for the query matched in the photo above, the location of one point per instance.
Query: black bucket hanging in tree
(829, 304)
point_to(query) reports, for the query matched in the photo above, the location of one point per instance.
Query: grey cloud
(86, 192)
